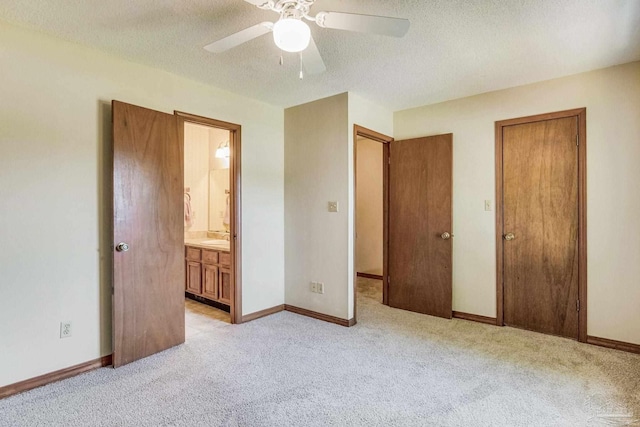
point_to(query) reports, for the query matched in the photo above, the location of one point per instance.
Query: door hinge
(577, 305)
(388, 280)
(389, 159)
(577, 139)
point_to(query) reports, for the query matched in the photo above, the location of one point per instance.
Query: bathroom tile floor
(203, 318)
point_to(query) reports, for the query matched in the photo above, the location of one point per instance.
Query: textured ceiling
(454, 48)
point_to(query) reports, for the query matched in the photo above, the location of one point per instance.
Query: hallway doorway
(371, 163)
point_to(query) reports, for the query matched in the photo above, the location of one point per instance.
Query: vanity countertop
(209, 243)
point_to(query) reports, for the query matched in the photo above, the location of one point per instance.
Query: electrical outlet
(317, 287)
(65, 329)
(333, 207)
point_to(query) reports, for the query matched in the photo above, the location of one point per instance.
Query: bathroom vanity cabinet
(208, 274)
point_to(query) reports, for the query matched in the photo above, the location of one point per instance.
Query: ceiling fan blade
(259, 3)
(240, 37)
(387, 26)
(312, 59)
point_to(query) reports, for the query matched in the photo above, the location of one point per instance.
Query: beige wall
(369, 208)
(54, 210)
(319, 167)
(316, 172)
(612, 99)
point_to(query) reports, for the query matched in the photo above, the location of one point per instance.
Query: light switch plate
(333, 206)
(488, 205)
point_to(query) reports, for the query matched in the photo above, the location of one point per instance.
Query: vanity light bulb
(223, 152)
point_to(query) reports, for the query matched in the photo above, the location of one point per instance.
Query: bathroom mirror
(219, 200)
(206, 179)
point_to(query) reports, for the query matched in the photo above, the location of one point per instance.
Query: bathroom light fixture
(291, 35)
(223, 152)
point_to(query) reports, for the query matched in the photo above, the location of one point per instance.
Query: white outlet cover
(488, 205)
(65, 329)
(333, 206)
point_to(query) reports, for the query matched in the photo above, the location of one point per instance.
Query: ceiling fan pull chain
(301, 71)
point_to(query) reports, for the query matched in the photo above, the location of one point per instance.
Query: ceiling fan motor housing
(297, 9)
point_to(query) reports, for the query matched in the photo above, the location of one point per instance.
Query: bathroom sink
(215, 242)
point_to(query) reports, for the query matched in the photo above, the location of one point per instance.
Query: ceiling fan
(292, 34)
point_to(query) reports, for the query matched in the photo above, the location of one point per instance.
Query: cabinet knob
(122, 247)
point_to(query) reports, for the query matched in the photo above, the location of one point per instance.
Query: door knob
(446, 235)
(509, 236)
(122, 247)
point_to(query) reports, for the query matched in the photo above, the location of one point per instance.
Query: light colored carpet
(394, 368)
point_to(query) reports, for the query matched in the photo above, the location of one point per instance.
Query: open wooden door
(420, 225)
(148, 233)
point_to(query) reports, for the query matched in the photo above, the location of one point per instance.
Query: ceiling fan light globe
(291, 35)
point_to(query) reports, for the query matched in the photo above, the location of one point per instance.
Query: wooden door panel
(420, 210)
(540, 208)
(148, 289)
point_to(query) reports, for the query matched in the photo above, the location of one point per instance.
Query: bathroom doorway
(149, 253)
(371, 153)
(211, 221)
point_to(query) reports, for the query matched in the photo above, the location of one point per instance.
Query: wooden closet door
(148, 262)
(420, 213)
(540, 226)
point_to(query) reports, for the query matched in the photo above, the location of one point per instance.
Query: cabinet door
(224, 282)
(194, 282)
(210, 281)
